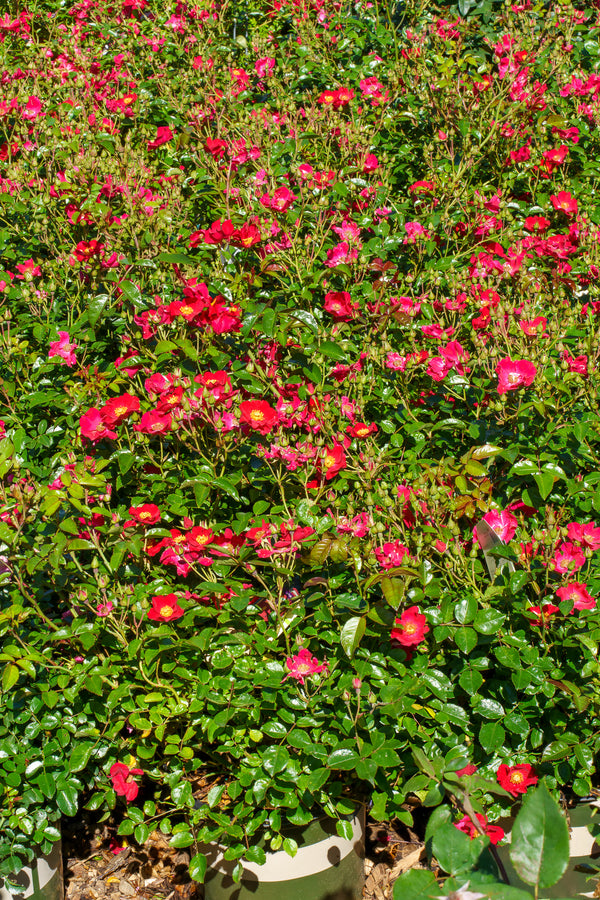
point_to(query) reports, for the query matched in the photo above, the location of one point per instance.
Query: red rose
(163, 136)
(118, 409)
(152, 422)
(93, 427)
(258, 415)
(564, 202)
(339, 304)
(541, 616)
(494, 832)
(514, 373)
(410, 628)
(123, 785)
(198, 537)
(147, 514)
(516, 779)
(165, 608)
(361, 429)
(333, 461)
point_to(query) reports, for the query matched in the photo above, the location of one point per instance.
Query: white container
(42, 879)
(584, 854)
(326, 867)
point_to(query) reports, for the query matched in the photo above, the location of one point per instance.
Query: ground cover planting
(299, 451)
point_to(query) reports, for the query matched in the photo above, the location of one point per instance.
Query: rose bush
(279, 331)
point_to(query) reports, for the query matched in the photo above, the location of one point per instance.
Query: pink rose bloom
(438, 368)
(27, 270)
(587, 535)
(105, 609)
(340, 254)
(63, 348)
(282, 199)
(414, 230)
(564, 202)
(32, 109)
(514, 373)
(371, 163)
(264, 67)
(534, 327)
(303, 664)
(578, 593)
(503, 523)
(578, 364)
(348, 231)
(340, 305)
(391, 554)
(396, 362)
(568, 558)
(122, 780)
(163, 136)
(92, 426)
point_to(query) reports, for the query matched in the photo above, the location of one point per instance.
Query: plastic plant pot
(584, 856)
(42, 879)
(326, 867)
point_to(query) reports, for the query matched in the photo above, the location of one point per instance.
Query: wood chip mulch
(98, 865)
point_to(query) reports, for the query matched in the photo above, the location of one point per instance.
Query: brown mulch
(156, 871)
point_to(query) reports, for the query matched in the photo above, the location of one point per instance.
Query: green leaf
(331, 350)
(488, 621)
(455, 851)
(141, 833)
(470, 681)
(183, 839)
(490, 709)
(584, 755)
(344, 758)
(226, 486)
(215, 794)
(491, 736)
(10, 676)
(275, 759)
(351, 635)
(80, 756)
(545, 483)
(188, 348)
(256, 855)
(66, 800)
(291, 847)
(178, 258)
(540, 839)
(386, 757)
(466, 639)
(518, 580)
(558, 749)
(96, 306)
(465, 610)
(393, 590)
(132, 292)
(300, 740)
(306, 318)
(197, 868)
(417, 884)
(46, 784)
